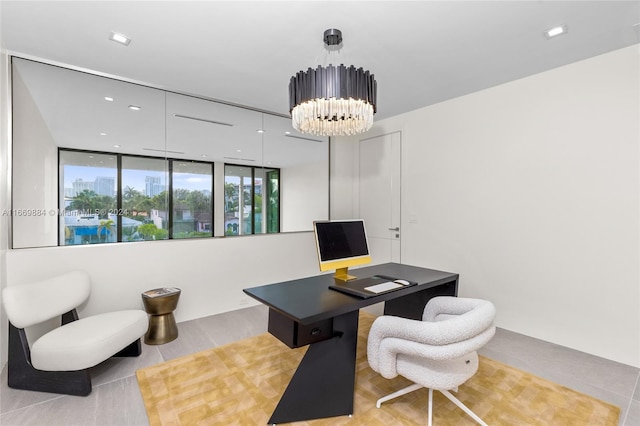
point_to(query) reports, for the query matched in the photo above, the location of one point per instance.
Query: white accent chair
(59, 360)
(438, 352)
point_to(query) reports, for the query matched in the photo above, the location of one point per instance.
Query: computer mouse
(403, 282)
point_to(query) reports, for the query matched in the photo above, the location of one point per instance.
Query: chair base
(446, 393)
(396, 394)
(133, 350)
(22, 375)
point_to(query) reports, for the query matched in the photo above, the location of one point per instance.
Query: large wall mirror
(99, 160)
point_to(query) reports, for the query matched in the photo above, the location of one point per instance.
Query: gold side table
(160, 303)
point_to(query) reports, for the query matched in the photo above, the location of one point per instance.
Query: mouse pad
(358, 286)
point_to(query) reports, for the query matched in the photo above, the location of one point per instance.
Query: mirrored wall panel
(98, 160)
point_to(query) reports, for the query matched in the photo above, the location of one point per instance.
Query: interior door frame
(398, 173)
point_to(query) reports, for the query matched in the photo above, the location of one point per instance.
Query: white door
(379, 195)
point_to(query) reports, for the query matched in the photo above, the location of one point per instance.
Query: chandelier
(332, 100)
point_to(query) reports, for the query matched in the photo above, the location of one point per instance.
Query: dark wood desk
(306, 312)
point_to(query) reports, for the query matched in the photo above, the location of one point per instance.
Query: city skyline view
(135, 179)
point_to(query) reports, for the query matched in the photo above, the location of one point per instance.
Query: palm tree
(160, 202)
(105, 205)
(129, 192)
(85, 200)
(198, 202)
(106, 228)
(181, 194)
(147, 231)
(230, 197)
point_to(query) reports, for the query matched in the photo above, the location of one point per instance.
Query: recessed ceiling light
(260, 131)
(108, 99)
(238, 150)
(204, 156)
(103, 134)
(135, 107)
(116, 146)
(287, 133)
(119, 38)
(555, 31)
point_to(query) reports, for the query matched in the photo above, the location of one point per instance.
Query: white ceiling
(421, 52)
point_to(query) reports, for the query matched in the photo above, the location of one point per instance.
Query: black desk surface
(308, 300)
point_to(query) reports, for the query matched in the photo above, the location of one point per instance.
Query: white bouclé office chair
(58, 361)
(438, 352)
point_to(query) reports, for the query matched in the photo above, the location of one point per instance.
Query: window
(272, 202)
(145, 201)
(88, 198)
(251, 200)
(192, 201)
(110, 198)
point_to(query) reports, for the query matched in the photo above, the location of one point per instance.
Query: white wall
(211, 272)
(304, 191)
(5, 129)
(38, 190)
(530, 190)
(343, 189)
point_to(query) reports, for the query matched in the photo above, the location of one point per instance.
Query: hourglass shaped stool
(160, 303)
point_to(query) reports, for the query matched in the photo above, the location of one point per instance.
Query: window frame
(119, 190)
(265, 185)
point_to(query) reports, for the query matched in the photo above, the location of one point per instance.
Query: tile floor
(116, 401)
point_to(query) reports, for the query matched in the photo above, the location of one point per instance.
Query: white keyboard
(382, 287)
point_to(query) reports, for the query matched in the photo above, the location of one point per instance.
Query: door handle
(397, 228)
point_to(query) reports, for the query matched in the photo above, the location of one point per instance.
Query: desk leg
(324, 383)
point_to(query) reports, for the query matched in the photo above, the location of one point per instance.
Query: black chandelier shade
(332, 82)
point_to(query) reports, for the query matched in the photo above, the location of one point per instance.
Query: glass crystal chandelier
(332, 100)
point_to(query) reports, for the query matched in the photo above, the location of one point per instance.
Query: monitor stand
(342, 274)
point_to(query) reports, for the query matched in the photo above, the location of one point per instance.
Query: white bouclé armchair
(59, 360)
(438, 352)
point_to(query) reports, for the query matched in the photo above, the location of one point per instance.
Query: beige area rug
(241, 384)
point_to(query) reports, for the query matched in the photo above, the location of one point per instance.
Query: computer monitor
(341, 244)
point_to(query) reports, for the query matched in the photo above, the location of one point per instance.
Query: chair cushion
(89, 341)
(30, 304)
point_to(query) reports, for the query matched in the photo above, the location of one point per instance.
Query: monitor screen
(340, 244)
